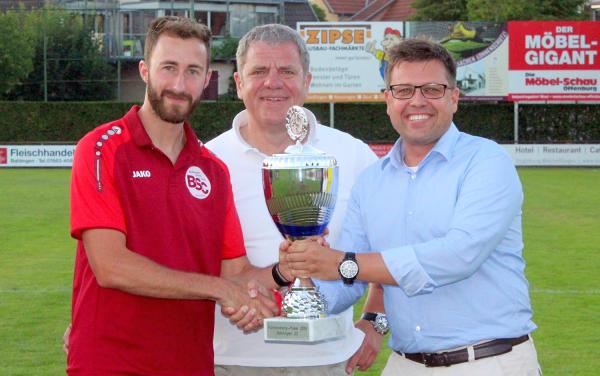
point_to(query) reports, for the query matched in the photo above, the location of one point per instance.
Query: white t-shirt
(262, 239)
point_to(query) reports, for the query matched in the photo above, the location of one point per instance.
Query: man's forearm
(372, 269)
(117, 267)
(240, 269)
(374, 301)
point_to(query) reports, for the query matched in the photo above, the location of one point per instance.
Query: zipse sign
(554, 60)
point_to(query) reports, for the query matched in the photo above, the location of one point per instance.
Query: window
(245, 16)
(265, 18)
(216, 21)
(176, 12)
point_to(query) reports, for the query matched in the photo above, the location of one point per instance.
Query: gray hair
(272, 34)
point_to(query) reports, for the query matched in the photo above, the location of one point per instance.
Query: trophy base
(283, 329)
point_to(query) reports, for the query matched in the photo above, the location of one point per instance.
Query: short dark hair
(417, 49)
(180, 27)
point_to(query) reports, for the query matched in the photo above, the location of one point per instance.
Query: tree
(498, 10)
(494, 10)
(16, 50)
(74, 61)
(224, 49)
(319, 12)
(439, 10)
(563, 10)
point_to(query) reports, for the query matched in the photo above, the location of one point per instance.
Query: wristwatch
(278, 277)
(379, 321)
(348, 268)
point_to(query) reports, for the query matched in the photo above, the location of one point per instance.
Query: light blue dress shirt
(450, 235)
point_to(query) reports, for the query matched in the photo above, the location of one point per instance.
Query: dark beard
(174, 116)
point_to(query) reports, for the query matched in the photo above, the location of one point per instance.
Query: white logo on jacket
(197, 183)
(141, 174)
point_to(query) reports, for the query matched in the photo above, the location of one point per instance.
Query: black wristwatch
(379, 321)
(348, 268)
(278, 277)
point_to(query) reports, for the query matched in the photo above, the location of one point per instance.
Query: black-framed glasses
(429, 91)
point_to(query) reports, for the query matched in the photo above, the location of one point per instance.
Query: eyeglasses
(429, 91)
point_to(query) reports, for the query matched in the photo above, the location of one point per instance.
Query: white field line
(566, 291)
(36, 291)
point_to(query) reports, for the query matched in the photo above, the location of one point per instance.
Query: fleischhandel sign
(36, 155)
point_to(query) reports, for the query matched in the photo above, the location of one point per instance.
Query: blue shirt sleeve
(490, 197)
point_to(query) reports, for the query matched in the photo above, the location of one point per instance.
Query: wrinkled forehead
(265, 53)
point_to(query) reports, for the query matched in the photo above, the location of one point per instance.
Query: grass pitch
(562, 241)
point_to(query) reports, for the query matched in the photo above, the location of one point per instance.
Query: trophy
(300, 187)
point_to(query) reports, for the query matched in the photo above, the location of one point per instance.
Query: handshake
(248, 305)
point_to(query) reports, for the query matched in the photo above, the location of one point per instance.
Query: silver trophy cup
(300, 187)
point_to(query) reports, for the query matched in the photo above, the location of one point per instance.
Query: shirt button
(413, 176)
(410, 212)
(418, 328)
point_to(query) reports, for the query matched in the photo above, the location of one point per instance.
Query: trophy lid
(298, 155)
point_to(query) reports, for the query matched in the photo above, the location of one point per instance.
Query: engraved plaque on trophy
(300, 187)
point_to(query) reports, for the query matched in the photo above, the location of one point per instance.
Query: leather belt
(482, 350)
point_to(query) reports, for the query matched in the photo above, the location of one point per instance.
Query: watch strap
(370, 316)
(278, 277)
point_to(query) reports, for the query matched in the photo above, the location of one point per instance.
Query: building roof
(345, 7)
(385, 10)
(298, 11)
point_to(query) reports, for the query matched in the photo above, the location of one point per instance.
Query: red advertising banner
(554, 60)
(381, 149)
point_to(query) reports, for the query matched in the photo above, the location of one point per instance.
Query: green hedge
(69, 121)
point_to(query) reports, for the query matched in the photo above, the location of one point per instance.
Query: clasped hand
(310, 257)
(247, 304)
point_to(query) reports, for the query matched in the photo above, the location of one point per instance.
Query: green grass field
(562, 243)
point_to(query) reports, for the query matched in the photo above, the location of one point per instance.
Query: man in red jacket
(159, 241)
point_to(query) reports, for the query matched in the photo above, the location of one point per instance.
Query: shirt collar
(444, 147)
(141, 138)
(241, 120)
(138, 132)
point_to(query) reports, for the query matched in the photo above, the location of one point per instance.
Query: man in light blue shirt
(438, 223)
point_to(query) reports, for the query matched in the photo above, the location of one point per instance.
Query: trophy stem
(302, 284)
(303, 301)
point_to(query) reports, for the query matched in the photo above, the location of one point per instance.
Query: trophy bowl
(300, 188)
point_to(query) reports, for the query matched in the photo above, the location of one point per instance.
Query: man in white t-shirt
(272, 76)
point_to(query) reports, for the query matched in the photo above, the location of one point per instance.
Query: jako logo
(141, 174)
(197, 183)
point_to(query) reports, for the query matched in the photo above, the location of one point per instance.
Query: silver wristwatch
(348, 268)
(379, 321)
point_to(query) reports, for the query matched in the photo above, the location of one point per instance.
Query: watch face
(381, 321)
(381, 324)
(348, 269)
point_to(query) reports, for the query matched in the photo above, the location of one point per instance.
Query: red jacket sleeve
(94, 199)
